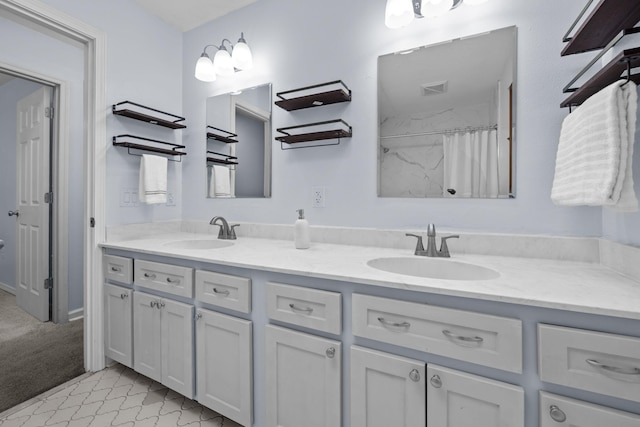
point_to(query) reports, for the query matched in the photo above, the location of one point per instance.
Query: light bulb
(433, 8)
(241, 55)
(204, 69)
(398, 13)
(222, 63)
(474, 2)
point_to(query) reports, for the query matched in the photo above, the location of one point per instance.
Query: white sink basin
(433, 268)
(199, 244)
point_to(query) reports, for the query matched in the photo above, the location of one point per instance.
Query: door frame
(71, 30)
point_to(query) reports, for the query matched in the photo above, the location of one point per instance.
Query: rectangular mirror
(447, 118)
(239, 144)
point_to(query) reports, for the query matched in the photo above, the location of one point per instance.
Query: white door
(176, 320)
(147, 348)
(224, 365)
(386, 390)
(303, 386)
(118, 320)
(33, 147)
(458, 399)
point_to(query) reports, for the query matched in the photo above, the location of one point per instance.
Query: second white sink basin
(433, 268)
(199, 244)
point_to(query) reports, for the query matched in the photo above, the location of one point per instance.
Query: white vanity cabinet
(386, 390)
(118, 324)
(224, 365)
(303, 379)
(163, 341)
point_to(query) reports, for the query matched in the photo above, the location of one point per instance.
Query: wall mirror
(239, 143)
(447, 118)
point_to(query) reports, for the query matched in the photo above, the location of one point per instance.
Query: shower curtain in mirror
(471, 164)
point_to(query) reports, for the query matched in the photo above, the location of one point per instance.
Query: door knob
(14, 213)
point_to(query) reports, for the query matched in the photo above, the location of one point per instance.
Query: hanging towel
(222, 181)
(153, 179)
(594, 159)
(212, 182)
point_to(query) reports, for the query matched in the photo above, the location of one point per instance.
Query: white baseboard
(7, 288)
(76, 314)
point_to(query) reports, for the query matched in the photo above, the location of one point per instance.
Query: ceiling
(186, 15)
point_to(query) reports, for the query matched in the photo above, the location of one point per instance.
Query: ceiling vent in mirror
(434, 88)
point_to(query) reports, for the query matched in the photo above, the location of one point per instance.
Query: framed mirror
(447, 118)
(239, 144)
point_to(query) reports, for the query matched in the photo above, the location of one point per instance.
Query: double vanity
(358, 331)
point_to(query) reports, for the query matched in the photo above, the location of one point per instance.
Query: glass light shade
(222, 63)
(433, 8)
(398, 13)
(241, 56)
(204, 69)
(474, 2)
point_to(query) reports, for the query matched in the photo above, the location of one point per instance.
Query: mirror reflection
(446, 119)
(239, 143)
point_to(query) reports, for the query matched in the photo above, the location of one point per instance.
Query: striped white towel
(593, 163)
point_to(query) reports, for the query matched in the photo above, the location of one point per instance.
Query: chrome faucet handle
(444, 249)
(419, 246)
(232, 232)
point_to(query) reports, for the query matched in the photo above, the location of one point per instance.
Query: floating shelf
(221, 158)
(332, 96)
(607, 75)
(147, 144)
(606, 20)
(229, 139)
(148, 115)
(317, 135)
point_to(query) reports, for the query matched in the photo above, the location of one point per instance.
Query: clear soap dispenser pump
(301, 231)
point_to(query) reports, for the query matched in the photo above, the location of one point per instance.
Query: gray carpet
(35, 356)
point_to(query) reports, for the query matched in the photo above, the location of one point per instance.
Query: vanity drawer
(554, 409)
(224, 290)
(594, 361)
(118, 269)
(169, 278)
(473, 337)
(311, 308)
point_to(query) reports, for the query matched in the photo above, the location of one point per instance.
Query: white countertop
(565, 285)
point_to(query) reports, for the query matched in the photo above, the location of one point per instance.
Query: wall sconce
(224, 64)
(400, 13)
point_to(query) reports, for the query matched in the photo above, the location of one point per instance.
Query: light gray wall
(10, 94)
(292, 49)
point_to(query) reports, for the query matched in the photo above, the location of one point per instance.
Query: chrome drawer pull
(614, 369)
(116, 269)
(462, 340)
(123, 296)
(307, 310)
(149, 276)
(222, 292)
(394, 324)
(153, 303)
(557, 414)
(170, 280)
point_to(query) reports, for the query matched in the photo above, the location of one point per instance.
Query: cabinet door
(386, 390)
(457, 399)
(302, 379)
(224, 365)
(177, 346)
(118, 324)
(146, 335)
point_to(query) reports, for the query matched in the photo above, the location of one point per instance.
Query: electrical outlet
(128, 197)
(318, 197)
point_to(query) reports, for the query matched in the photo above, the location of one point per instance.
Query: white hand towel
(153, 179)
(222, 181)
(212, 183)
(593, 163)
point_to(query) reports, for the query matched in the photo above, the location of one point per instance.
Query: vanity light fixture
(224, 64)
(400, 13)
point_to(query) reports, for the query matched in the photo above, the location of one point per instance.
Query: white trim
(94, 41)
(7, 288)
(76, 314)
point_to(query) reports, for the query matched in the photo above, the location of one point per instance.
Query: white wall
(297, 43)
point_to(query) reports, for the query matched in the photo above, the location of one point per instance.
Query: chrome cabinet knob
(414, 375)
(331, 352)
(436, 381)
(198, 316)
(557, 414)
(14, 213)
(123, 296)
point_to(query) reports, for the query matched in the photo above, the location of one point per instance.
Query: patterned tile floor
(116, 396)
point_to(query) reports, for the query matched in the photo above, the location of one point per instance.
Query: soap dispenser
(301, 231)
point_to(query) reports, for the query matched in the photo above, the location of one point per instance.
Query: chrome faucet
(431, 250)
(226, 232)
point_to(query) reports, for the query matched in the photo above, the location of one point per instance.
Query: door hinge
(48, 283)
(49, 112)
(92, 222)
(48, 197)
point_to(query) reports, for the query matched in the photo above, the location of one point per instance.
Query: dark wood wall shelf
(320, 133)
(332, 96)
(221, 158)
(147, 144)
(216, 134)
(605, 21)
(148, 115)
